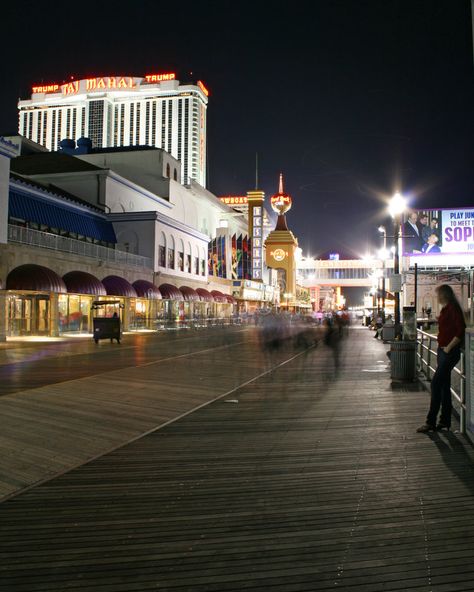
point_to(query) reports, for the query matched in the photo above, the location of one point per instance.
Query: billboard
(437, 232)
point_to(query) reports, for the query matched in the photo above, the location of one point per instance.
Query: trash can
(403, 360)
(388, 332)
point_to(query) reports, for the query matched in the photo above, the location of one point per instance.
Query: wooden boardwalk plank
(307, 483)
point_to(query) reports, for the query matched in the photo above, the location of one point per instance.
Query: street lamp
(383, 255)
(396, 208)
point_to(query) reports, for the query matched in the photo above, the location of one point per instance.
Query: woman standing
(451, 327)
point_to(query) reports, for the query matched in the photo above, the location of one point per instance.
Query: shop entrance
(29, 314)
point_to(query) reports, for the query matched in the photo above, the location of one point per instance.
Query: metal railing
(47, 240)
(427, 356)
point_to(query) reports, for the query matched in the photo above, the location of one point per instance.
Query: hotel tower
(113, 111)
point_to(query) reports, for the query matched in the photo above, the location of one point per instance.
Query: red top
(451, 324)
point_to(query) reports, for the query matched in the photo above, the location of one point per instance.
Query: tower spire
(256, 170)
(280, 187)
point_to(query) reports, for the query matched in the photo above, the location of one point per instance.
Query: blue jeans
(441, 387)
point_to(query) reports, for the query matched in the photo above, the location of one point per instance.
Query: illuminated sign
(203, 88)
(279, 254)
(160, 77)
(232, 200)
(280, 202)
(438, 232)
(47, 88)
(99, 84)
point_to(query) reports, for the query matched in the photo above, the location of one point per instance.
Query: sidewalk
(296, 482)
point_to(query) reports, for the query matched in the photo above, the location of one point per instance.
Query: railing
(46, 240)
(427, 356)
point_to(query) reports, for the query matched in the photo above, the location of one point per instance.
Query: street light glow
(397, 205)
(382, 229)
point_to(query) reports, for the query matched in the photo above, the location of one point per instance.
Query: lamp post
(383, 230)
(396, 208)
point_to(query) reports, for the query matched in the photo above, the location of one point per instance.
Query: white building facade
(114, 111)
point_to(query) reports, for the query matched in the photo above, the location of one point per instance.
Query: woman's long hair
(449, 296)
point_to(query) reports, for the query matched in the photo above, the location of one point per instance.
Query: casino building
(153, 110)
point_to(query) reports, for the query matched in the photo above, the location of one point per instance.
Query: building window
(147, 123)
(137, 126)
(168, 170)
(153, 124)
(162, 256)
(83, 123)
(171, 258)
(132, 117)
(180, 260)
(74, 123)
(53, 130)
(45, 127)
(170, 124)
(163, 124)
(203, 267)
(122, 123)
(188, 264)
(116, 125)
(68, 123)
(96, 122)
(175, 175)
(196, 265)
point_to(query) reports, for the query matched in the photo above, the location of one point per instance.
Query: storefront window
(29, 314)
(74, 313)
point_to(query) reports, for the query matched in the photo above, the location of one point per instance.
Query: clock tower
(281, 245)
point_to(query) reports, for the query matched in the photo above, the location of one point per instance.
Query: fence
(427, 356)
(47, 240)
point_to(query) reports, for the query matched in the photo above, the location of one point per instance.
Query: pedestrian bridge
(344, 273)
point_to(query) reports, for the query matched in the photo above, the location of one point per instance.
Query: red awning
(118, 286)
(230, 299)
(219, 296)
(205, 295)
(170, 292)
(81, 282)
(189, 293)
(146, 289)
(36, 278)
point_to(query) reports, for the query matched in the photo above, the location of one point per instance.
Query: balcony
(54, 242)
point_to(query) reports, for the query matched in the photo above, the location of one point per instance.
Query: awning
(230, 299)
(205, 295)
(118, 286)
(80, 282)
(189, 294)
(170, 292)
(36, 278)
(146, 289)
(65, 217)
(219, 296)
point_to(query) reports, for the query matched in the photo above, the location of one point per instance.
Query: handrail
(55, 242)
(427, 369)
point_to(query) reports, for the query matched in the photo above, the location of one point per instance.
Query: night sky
(351, 99)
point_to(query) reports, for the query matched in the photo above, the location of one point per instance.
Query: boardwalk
(296, 482)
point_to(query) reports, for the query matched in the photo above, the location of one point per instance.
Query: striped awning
(32, 208)
(189, 294)
(80, 282)
(146, 289)
(170, 292)
(118, 286)
(36, 278)
(205, 295)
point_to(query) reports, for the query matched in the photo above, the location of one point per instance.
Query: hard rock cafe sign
(279, 254)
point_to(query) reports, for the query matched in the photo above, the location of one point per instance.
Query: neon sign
(160, 77)
(279, 254)
(234, 200)
(203, 88)
(47, 88)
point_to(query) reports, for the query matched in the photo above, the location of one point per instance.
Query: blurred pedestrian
(451, 328)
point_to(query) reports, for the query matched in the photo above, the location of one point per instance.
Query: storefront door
(28, 315)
